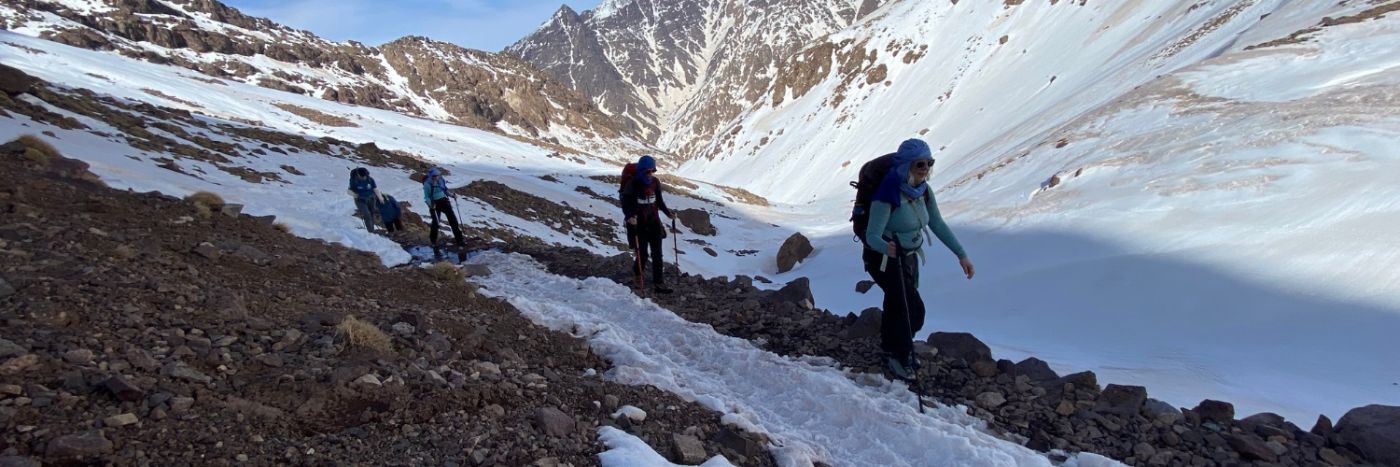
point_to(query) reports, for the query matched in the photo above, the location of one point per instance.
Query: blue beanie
(646, 163)
(912, 149)
(895, 181)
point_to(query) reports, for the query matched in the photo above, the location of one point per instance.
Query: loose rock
(79, 445)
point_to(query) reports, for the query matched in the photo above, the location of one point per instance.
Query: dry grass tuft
(364, 335)
(204, 203)
(36, 150)
(205, 198)
(446, 272)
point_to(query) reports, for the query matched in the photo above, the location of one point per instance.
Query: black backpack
(871, 174)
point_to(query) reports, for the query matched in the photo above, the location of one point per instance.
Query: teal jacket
(434, 188)
(907, 223)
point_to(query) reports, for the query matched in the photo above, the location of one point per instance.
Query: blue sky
(479, 24)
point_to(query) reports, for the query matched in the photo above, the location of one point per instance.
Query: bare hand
(967, 267)
(891, 249)
(632, 220)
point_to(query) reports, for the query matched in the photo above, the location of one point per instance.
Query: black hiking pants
(649, 241)
(898, 323)
(443, 206)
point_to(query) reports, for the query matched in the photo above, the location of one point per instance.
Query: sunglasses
(923, 164)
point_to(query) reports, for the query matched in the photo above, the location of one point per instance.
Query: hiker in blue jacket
(902, 210)
(366, 194)
(435, 193)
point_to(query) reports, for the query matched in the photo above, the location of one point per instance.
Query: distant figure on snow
(642, 203)
(435, 193)
(366, 194)
(902, 209)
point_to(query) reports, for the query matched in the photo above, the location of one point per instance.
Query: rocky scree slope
(412, 75)
(141, 328)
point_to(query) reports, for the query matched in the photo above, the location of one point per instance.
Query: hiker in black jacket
(642, 203)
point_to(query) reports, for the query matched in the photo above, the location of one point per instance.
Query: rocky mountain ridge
(679, 70)
(411, 75)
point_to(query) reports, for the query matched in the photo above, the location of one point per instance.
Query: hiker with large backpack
(436, 194)
(366, 194)
(390, 214)
(894, 209)
(642, 205)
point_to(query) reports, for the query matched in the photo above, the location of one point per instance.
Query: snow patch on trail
(812, 412)
(625, 450)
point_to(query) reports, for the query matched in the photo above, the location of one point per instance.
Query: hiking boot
(461, 256)
(437, 252)
(899, 367)
(661, 289)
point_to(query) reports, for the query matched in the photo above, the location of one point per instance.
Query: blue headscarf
(645, 165)
(896, 182)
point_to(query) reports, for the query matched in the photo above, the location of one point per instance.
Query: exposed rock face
(422, 77)
(673, 69)
(1373, 431)
(13, 81)
(697, 221)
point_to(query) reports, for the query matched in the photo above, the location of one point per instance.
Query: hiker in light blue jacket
(437, 196)
(901, 214)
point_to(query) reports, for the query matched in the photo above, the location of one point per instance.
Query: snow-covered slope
(1194, 196)
(412, 75)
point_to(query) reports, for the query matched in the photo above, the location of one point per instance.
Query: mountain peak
(564, 13)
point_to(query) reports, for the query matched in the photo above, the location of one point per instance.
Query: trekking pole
(918, 386)
(676, 245)
(637, 256)
(432, 212)
(455, 208)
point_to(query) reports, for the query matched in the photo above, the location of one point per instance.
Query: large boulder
(697, 221)
(960, 345)
(1372, 431)
(867, 325)
(795, 248)
(13, 81)
(1035, 369)
(1161, 411)
(1216, 411)
(799, 292)
(1251, 447)
(1121, 400)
